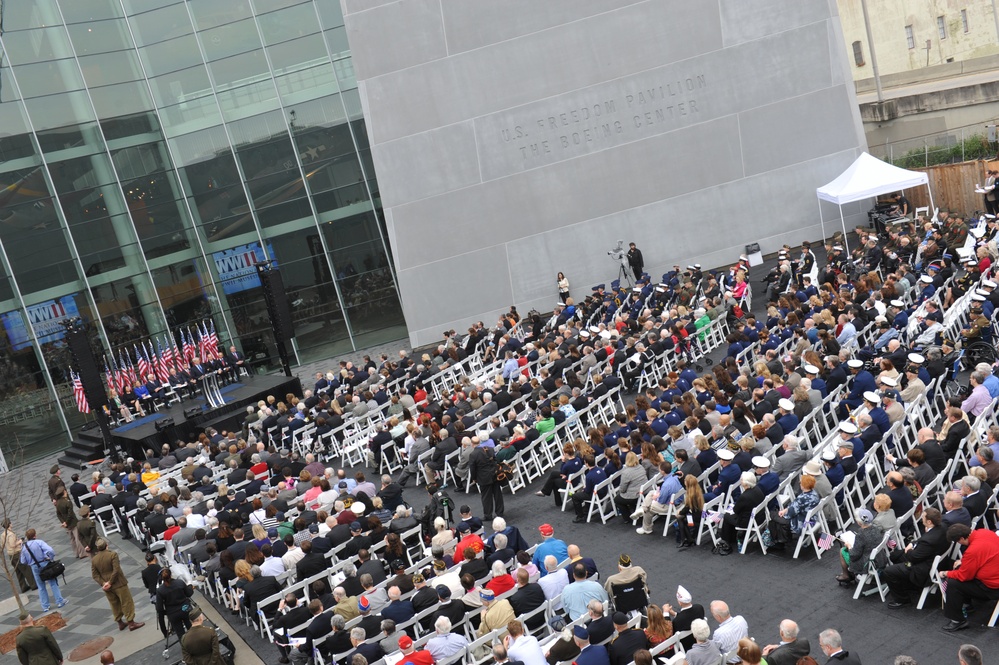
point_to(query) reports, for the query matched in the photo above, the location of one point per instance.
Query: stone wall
(515, 139)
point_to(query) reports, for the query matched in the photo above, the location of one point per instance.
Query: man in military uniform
(36, 645)
(106, 571)
(86, 531)
(66, 513)
(200, 644)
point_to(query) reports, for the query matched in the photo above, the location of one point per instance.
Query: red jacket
(980, 560)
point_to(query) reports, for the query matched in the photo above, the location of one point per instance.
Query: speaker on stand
(279, 310)
(78, 341)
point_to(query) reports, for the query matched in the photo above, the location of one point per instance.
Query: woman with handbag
(37, 554)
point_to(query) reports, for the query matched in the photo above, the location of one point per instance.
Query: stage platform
(135, 437)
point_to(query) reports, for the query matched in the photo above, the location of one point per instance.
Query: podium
(210, 389)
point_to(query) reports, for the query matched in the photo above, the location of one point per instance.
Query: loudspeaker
(163, 423)
(278, 306)
(86, 365)
(192, 412)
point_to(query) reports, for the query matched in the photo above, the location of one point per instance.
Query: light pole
(874, 57)
(995, 16)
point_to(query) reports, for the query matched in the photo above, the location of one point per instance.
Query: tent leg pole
(822, 224)
(932, 208)
(842, 221)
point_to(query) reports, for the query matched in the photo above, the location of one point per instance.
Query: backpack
(504, 473)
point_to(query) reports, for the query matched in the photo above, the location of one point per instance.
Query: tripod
(623, 274)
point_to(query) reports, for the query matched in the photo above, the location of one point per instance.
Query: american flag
(213, 341)
(142, 364)
(826, 541)
(166, 352)
(189, 349)
(126, 375)
(112, 375)
(203, 351)
(81, 399)
(162, 371)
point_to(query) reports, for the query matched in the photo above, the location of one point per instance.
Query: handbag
(48, 570)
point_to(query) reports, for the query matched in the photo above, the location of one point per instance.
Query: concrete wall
(515, 139)
(889, 19)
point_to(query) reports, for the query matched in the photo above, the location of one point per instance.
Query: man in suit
(235, 360)
(831, 644)
(261, 587)
(372, 651)
(295, 614)
(628, 641)
(790, 648)
(200, 644)
(36, 645)
(320, 626)
(910, 570)
(589, 654)
(957, 431)
(791, 461)
(685, 616)
(105, 568)
(600, 627)
(975, 498)
(528, 597)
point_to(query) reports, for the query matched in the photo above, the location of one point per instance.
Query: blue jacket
(593, 654)
(880, 418)
(862, 383)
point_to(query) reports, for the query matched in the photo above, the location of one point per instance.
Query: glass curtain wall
(150, 152)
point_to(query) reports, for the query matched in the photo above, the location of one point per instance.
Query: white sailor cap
(690, 267)
(988, 283)
(743, 257)
(889, 381)
(660, 289)
(594, 329)
(829, 455)
(854, 363)
(897, 303)
(697, 266)
(786, 404)
(584, 334)
(848, 427)
(726, 454)
(637, 289)
(977, 297)
(926, 279)
(989, 216)
(811, 369)
(872, 397)
(761, 462)
(916, 358)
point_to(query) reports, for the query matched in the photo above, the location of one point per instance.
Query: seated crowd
(258, 509)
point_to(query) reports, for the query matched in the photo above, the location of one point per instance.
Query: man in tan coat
(106, 571)
(495, 613)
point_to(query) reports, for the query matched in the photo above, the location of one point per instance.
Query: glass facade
(149, 151)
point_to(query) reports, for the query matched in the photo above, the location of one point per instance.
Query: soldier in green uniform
(67, 517)
(36, 645)
(86, 530)
(200, 644)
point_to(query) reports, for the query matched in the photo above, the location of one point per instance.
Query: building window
(910, 39)
(858, 54)
(964, 19)
(941, 27)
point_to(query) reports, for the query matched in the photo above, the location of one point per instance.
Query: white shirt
(292, 557)
(553, 583)
(195, 521)
(272, 567)
(527, 650)
(728, 634)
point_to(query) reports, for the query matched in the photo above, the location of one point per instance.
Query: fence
(953, 186)
(954, 146)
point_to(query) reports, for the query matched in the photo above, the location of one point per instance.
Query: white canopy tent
(866, 178)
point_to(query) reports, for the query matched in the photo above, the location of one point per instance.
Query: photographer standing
(635, 260)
